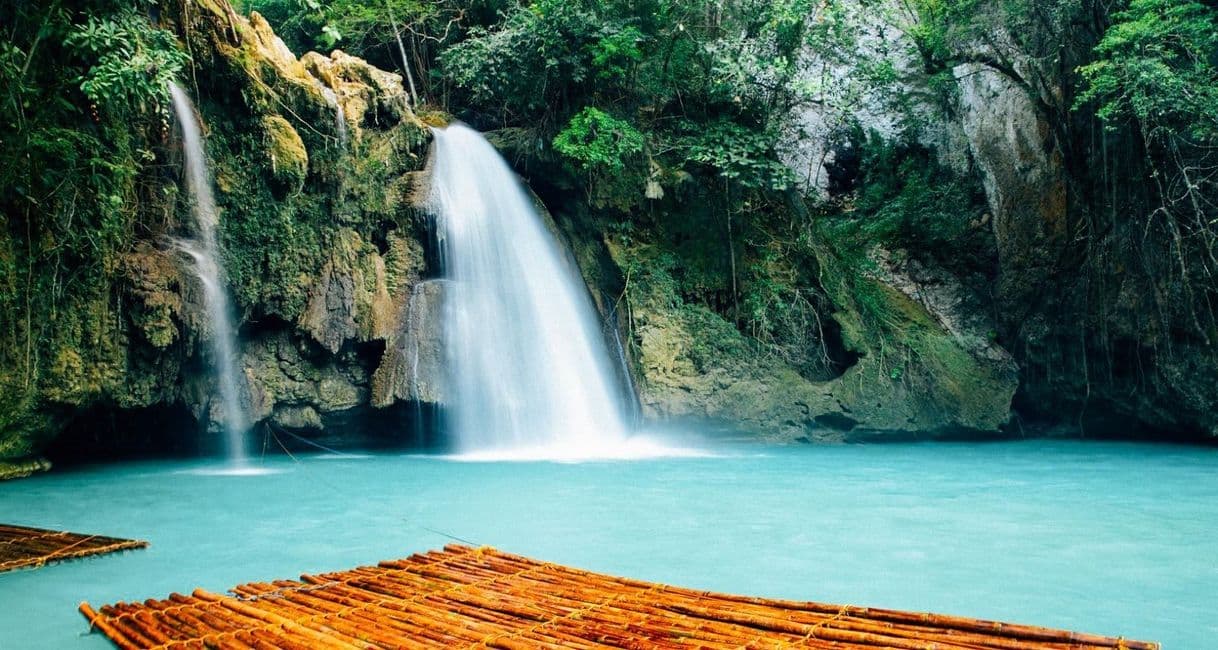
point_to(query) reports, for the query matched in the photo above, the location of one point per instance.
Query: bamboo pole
(988, 627)
(480, 598)
(99, 622)
(22, 547)
(322, 641)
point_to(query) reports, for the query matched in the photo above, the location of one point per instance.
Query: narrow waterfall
(204, 250)
(531, 373)
(340, 118)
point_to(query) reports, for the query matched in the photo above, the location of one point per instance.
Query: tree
(1158, 66)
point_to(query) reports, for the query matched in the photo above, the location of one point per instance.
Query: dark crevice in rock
(379, 237)
(264, 325)
(370, 353)
(109, 432)
(843, 167)
(409, 426)
(836, 421)
(1102, 420)
(839, 358)
(432, 256)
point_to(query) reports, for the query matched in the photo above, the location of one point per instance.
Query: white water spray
(205, 253)
(533, 377)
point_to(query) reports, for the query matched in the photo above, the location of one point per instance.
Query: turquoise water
(1119, 539)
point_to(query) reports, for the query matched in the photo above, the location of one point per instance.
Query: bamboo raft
(463, 597)
(22, 547)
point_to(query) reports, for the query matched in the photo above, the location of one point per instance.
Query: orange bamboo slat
(465, 597)
(22, 547)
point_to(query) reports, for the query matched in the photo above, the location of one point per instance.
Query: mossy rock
(434, 117)
(131, 333)
(351, 298)
(914, 374)
(286, 153)
(21, 468)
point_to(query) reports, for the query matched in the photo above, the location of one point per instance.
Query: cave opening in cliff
(263, 326)
(433, 262)
(108, 432)
(406, 426)
(836, 356)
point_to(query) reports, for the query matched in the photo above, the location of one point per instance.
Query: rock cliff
(1107, 340)
(313, 161)
(875, 326)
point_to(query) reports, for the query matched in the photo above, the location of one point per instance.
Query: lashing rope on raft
(487, 598)
(36, 547)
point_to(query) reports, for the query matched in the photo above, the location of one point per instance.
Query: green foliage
(649, 273)
(912, 200)
(939, 27)
(907, 200)
(132, 62)
(739, 154)
(82, 84)
(359, 27)
(1158, 65)
(785, 310)
(670, 69)
(596, 140)
(537, 55)
(1028, 42)
(617, 53)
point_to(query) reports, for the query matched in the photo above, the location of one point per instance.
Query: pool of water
(1119, 539)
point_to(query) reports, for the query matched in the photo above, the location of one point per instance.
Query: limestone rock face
(413, 368)
(692, 363)
(351, 298)
(1089, 357)
(292, 382)
(154, 280)
(366, 95)
(1023, 178)
(322, 250)
(681, 379)
(747, 390)
(818, 130)
(961, 380)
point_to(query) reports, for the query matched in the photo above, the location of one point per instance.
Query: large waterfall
(532, 374)
(204, 250)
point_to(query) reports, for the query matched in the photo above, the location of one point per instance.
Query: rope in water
(307, 442)
(339, 490)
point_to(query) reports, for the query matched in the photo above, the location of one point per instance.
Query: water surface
(1118, 539)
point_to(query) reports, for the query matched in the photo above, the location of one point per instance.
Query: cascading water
(531, 372)
(205, 252)
(340, 118)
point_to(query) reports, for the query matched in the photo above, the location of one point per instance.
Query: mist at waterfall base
(529, 365)
(204, 253)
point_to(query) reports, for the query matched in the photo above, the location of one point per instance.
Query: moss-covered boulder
(926, 366)
(350, 300)
(928, 360)
(22, 468)
(289, 159)
(364, 95)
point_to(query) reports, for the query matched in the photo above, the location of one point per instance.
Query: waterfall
(340, 118)
(531, 372)
(204, 250)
